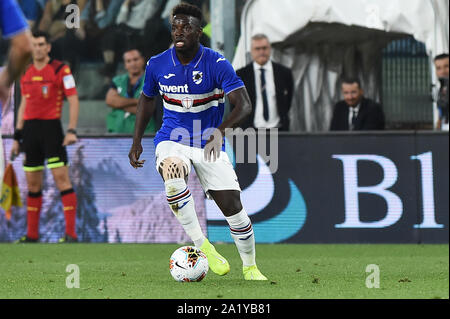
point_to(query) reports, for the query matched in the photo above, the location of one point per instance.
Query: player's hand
(134, 154)
(15, 150)
(213, 147)
(70, 139)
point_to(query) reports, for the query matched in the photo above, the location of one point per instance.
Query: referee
(39, 132)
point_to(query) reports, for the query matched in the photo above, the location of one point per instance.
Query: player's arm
(242, 108)
(74, 109)
(19, 56)
(116, 101)
(145, 110)
(18, 132)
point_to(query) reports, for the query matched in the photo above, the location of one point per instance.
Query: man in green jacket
(124, 93)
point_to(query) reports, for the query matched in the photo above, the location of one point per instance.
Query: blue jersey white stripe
(12, 21)
(193, 94)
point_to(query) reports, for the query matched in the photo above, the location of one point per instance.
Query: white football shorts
(217, 176)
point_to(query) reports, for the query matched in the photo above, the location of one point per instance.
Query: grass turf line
(294, 271)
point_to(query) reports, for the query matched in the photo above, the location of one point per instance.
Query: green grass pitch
(294, 271)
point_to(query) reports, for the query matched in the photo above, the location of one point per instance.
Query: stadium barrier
(384, 187)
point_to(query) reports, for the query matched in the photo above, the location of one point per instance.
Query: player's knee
(34, 187)
(173, 167)
(178, 194)
(62, 180)
(232, 208)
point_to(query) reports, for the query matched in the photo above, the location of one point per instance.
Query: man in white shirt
(355, 112)
(442, 70)
(269, 86)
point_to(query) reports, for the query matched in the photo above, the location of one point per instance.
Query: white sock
(242, 232)
(181, 202)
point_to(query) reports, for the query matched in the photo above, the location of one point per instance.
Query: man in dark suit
(269, 86)
(355, 112)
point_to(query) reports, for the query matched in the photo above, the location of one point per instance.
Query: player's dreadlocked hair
(189, 10)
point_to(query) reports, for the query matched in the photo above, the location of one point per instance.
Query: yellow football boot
(252, 273)
(217, 263)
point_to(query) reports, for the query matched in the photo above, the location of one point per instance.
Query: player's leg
(173, 163)
(69, 201)
(220, 181)
(229, 202)
(174, 172)
(34, 203)
(57, 162)
(33, 167)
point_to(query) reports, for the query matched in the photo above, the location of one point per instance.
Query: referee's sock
(34, 204)
(69, 201)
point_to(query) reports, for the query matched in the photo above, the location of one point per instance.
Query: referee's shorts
(42, 140)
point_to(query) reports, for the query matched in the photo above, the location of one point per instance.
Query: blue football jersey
(193, 95)
(12, 20)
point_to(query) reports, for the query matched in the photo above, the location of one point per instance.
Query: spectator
(441, 62)
(129, 31)
(269, 86)
(355, 112)
(65, 46)
(124, 93)
(54, 15)
(96, 18)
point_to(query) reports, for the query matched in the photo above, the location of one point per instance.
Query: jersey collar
(195, 61)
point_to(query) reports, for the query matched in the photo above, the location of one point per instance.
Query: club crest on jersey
(187, 102)
(197, 77)
(45, 91)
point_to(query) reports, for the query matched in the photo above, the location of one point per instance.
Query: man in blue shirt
(193, 81)
(13, 26)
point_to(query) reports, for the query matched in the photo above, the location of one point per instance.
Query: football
(188, 263)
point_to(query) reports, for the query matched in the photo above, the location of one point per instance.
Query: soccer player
(43, 88)
(13, 26)
(193, 81)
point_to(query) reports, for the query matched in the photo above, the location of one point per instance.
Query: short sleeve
(226, 77)
(12, 21)
(29, 9)
(150, 88)
(68, 82)
(113, 85)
